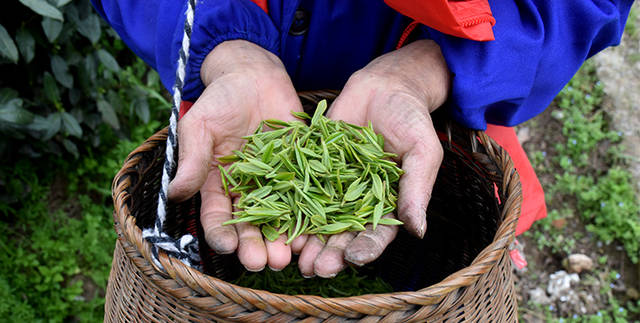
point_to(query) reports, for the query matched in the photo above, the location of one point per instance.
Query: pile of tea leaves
(323, 178)
(349, 282)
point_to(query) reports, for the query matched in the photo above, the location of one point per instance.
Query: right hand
(245, 84)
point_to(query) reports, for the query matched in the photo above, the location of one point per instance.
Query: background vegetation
(74, 101)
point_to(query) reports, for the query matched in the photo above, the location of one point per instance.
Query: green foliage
(57, 247)
(73, 103)
(609, 207)
(556, 239)
(604, 199)
(71, 83)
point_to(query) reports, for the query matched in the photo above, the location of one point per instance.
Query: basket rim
(208, 286)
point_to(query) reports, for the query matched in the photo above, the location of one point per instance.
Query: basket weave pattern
(138, 291)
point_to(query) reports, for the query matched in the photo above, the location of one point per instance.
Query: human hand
(245, 84)
(396, 92)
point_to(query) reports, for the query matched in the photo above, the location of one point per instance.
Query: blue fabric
(538, 48)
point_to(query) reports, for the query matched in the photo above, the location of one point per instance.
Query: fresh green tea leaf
(8, 48)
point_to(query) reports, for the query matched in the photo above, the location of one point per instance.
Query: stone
(560, 283)
(524, 134)
(579, 262)
(539, 296)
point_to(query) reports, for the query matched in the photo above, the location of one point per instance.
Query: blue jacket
(539, 45)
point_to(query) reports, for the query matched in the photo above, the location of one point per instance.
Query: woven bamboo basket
(460, 271)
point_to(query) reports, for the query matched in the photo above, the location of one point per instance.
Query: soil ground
(618, 69)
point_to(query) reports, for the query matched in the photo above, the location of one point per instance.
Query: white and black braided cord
(186, 247)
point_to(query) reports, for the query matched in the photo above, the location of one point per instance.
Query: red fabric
(471, 19)
(533, 204)
(184, 107)
(262, 4)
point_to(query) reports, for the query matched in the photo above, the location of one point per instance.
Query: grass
(590, 185)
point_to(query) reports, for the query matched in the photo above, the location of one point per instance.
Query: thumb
(195, 154)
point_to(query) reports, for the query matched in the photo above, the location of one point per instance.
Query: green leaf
(51, 28)
(301, 115)
(12, 112)
(269, 232)
(320, 109)
(377, 213)
(71, 125)
(61, 71)
(228, 159)
(142, 109)
(71, 147)
(390, 221)
(8, 48)
(7, 94)
(51, 88)
(55, 123)
(267, 152)
(38, 124)
(108, 114)
(334, 228)
(43, 8)
(354, 190)
(61, 3)
(26, 44)
(107, 60)
(378, 189)
(260, 193)
(317, 166)
(90, 28)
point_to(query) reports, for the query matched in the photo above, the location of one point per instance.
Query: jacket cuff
(214, 23)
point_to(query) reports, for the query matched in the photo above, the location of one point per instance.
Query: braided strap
(186, 247)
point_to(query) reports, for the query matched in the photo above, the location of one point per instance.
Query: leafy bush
(57, 247)
(74, 101)
(64, 87)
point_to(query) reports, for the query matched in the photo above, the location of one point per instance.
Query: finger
(330, 261)
(278, 253)
(420, 166)
(195, 155)
(215, 210)
(298, 243)
(368, 245)
(308, 255)
(348, 107)
(252, 251)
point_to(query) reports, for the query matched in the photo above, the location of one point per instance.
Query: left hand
(396, 92)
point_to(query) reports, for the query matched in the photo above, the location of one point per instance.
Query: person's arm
(154, 31)
(538, 47)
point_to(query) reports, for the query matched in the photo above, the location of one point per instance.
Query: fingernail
(423, 229)
(359, 258)
(329, 275)
(274, 269)
(310, 276)
(254, 270)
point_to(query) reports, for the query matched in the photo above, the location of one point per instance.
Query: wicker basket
(460, 271)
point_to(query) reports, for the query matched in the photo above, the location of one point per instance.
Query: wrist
(237, 56)
(418, 69)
